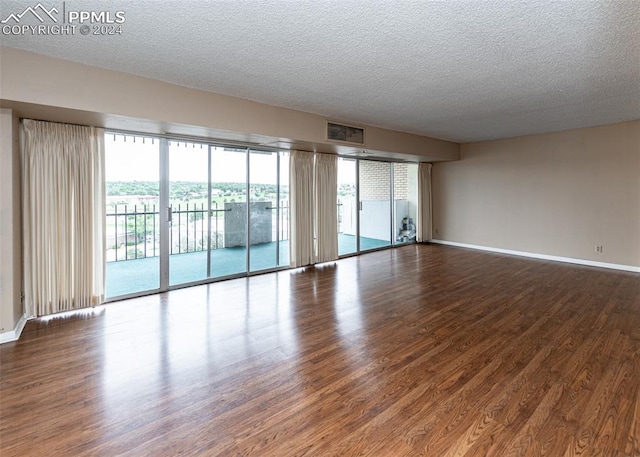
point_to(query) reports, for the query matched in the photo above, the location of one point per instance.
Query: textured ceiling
(457, 70)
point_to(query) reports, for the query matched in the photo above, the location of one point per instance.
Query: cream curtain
(424, 225)
(63, 216)
(301, 208)
(326, 196)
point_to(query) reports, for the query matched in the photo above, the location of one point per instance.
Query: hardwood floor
(421, 350)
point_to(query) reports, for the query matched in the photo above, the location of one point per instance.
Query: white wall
(375, 219)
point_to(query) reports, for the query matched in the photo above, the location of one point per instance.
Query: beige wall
(90, 95)
(10, 241)
(557, 194)
(41, 87)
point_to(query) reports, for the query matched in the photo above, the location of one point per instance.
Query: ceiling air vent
(345, 133)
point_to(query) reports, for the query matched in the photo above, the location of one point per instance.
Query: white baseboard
(590, 263)
(13, 335)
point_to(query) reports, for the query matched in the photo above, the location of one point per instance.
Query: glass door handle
(169, 213)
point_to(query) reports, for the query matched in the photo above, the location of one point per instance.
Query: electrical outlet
(598, 248)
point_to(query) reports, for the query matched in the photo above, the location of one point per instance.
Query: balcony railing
(133, 231)
(128, 229)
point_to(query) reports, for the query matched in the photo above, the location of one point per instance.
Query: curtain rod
(170, 136)
(218, 142)
(56, 122)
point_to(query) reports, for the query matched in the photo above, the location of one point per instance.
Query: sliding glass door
(187, 212)
(183, 212)
(132, 165)
(374, 184)
(405, 202)
(228, 222)
(377, 204)
(268, 210)
(188, 200)
(347, 207)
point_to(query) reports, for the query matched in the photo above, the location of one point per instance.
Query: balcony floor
(139, 275)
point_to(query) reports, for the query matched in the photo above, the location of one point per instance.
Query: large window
(374, 184)
(132, 172)
(377, 204)
(268, 209)
(186, 212)
(182, 212)
(228, 221)
(405, 202)
(347, 207)
(188, 200)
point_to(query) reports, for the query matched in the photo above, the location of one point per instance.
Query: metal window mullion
(116, 228)
(278, 209)
(165, 228)
(209, 214)
(248, 214)
(391, 205)
(358, 205)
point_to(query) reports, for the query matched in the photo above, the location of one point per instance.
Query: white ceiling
(458, 70)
